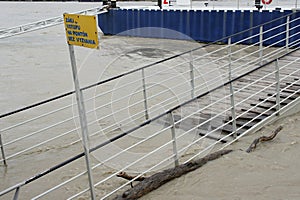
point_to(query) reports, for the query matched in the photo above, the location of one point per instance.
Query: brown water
(36, 66)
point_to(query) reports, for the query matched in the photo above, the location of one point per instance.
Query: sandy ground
(271, 171)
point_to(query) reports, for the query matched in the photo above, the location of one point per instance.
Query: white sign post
(81, 30)
(82, 117)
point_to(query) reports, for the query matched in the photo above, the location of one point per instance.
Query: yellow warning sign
(81, 30)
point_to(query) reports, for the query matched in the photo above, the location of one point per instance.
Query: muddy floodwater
(36, 66)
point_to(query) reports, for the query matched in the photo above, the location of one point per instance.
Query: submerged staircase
(258, 107)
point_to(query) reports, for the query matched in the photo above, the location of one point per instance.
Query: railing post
(231, 91)
(229, 57)
(277, 87)
(192, 75)
(171, 119)
(261, 45)
(16, 195)
(145, 95)
(287, 33)
(2, 151)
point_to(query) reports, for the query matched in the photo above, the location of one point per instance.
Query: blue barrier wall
(199, 25)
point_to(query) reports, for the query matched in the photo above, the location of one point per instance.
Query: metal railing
(196, 111)
(34, 26)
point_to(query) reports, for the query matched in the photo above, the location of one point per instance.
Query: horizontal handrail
(137, 91)
(135, 128)
(46, 23)
(135, 70)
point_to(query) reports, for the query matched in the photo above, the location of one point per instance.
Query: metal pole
(238, 4)
(176, 162)
(229, 58)
(296, 4)
(277, 87)
(287, 33)
(231, 91)
(83, 122)
(260, 45)
(145, 95)
(16, 195)
(2, 151)
(192, 75)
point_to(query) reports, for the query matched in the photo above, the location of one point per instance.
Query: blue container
(200, 25)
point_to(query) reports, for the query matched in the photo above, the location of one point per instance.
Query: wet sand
(271, 171)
